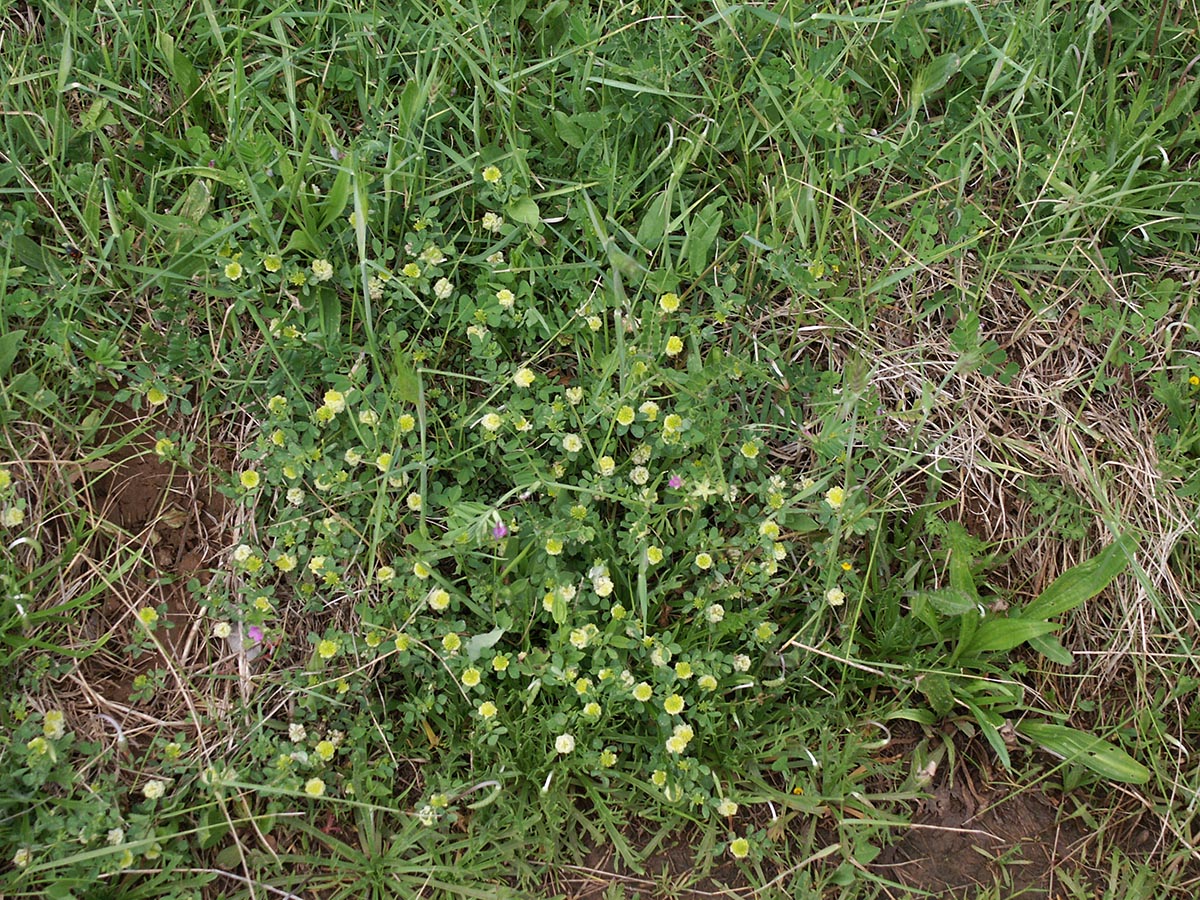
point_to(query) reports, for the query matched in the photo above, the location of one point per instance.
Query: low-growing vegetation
(498, 449)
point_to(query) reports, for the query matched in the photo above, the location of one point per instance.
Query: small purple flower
(675, 481)
(500, 531)
(256, 634)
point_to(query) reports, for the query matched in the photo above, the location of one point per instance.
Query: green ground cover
(497, 449)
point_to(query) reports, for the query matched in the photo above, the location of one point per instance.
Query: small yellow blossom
(322, 270)
(249, 479)
(451, 642)
(327, 649)
(421, 570)
(491, 422)
(492, 175)
(704, 560)
(471, 677)
(233, 270)
(156, 396)
(668, 302)
(524, 378)
(835, 597)
(572, 443)
(673, 705)
(407, 423)
(272, 262)
(654, 555)
(335, 401)
(554, 546)
(54, 724)
(835, 497)
(625, 415)
(642, 692)
(411, 270)
(750, 450)
(739, 848)
(385, 574)
(487, 709)
(506, 298)
(314, 787)
(564, 743)
(148, 615)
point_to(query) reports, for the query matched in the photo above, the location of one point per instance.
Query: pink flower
(256, 634)
(675, 481)
(500, 531)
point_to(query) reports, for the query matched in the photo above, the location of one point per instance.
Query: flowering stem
(424, 449)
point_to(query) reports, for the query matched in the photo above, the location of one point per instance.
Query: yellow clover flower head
(54, 724)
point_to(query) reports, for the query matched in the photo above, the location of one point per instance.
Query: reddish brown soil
(964, 838)
(176, 521)
(671, 872)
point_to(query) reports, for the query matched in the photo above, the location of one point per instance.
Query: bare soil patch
(158, 527)
(961, 841)
(672, 872)
(972, 834)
